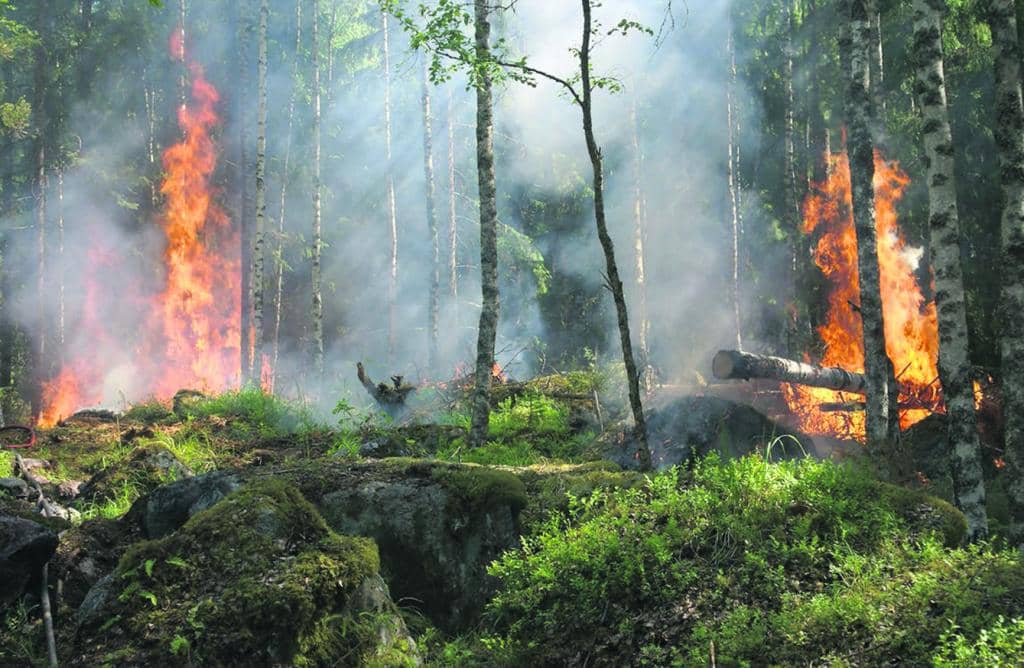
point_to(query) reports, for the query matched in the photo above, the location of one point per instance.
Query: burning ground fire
(911, 325)
(189, 335)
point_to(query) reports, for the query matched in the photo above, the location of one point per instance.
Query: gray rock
(25, 545)
(434, 547)
(167, 508)
(15, 487)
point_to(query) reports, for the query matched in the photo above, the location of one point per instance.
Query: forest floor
(239, 530)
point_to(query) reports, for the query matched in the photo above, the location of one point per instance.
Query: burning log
(736, 364)
(389, 397)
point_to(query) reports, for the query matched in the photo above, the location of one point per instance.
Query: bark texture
(256, 362)
(733, 364)
(734, 204)
(882, 424)
(488, 329)
(390, 184)
(318, 302)
(1009, 134)
(433, 299)
(639, 251)
(944, 246)
(611, 266)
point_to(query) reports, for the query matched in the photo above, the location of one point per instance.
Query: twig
(44, 594)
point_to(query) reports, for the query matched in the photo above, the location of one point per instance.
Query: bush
(1000, 645)
(799, 562)
(253, 412)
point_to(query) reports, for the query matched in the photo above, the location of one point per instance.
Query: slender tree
(944, 223)
(279, 265)
(882, 427)
(1009, 134)
(42, 132)
(246, 205)
(639, 250)
(734, 202)
(389, 178)
(791, 196)
(433, 301)
(453, 225)
(261, 196)
(488, 329)
(318, 302)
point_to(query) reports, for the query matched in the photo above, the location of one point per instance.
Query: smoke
(112, 250)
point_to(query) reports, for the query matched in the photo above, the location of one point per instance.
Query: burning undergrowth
(187, 331)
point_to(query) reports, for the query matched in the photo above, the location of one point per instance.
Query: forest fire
(911, 326)
(188, 334)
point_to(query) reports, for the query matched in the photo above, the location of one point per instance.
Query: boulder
(690, 427)
(168, 507)
(15, 487)
(25, 546)
(437, 527)
(256, 580)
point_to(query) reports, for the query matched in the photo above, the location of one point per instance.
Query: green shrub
(800, 562)
(1000, 645)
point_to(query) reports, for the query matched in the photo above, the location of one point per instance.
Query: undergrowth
(795, 563)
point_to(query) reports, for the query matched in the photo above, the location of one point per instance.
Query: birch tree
(389, 177)
(261, 196)
(317, 314)
(1009, 134)
(433, 299)
(882, 426)
(944, 224)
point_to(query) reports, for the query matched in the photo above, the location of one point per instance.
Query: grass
(251, 412)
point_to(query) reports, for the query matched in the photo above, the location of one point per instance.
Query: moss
(925, 512)
(480, 487)
(251, 577)
(6, 463)
(549, 488)
(26, 511)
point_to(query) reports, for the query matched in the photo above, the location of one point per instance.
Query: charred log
(388, 396)
(735, 364)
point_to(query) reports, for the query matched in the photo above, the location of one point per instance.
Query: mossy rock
(438, 525)
(408, 441)
(923, 512)
(145, 469)
(549, 487)
(256, 580)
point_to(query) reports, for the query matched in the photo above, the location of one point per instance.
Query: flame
(911, 324)
(188, 334)
(498, 373)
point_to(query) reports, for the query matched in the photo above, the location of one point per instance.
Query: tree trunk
(453, 227)
(877, 58)
(279, 251)
(639, 252)
(245, 203)
(791, 207)
(730, 111)
(256, 363)
(392, 295)
(488, 329)
(318, 303)
(881, 419)
(42, 129)
(60, 262)
(944, 222)
(181, 55)
(733, 364)
(1009, 133)
(433, 305)
(614, 282)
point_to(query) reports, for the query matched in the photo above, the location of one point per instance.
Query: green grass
(253, 413)
(192, 448)
(6, 463)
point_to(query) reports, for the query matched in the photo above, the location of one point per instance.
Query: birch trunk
(279, 250)
(881, 423)
(42, 134)
(488, 329)
(453, 227)
(877, 58)
(392, 295)
(256, 362)
(245, 205)
(944, 246)
(612, 269)
(318, 303)
(639, 251)
(734, 285)
(1009, 133)
(433, 305)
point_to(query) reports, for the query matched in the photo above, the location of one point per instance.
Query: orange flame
(911, 325)
(190, 333)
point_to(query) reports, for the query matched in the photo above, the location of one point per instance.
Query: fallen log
(735, 364)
